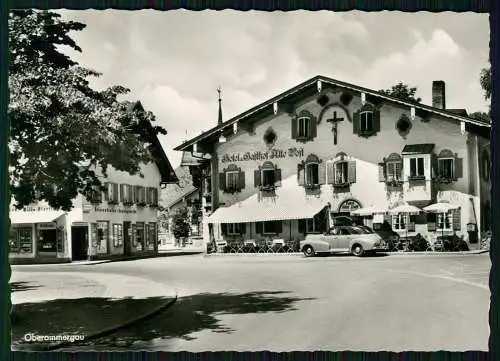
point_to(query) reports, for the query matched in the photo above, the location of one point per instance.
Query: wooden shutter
(277, 177)
(313, 131)
(411, 223)
(136, 194)
(223, 229)
(294, 128)
(355, 122)
(431, 222)
(122, 193)
(301, 174)
(256, 178)
(259, 227)
(434, 166)
(458, 167)
(457, 219)
(115, 192)
(351, 172)
(222, 181)
(279, 227)
(302, 226)
(381, 172)
(243, 228)
(322, 173)
(376, 121)
(330, 172)
(106, 193)
(241, 180)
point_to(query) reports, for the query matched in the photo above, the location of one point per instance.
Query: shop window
(152, 236)
(21, 240)
(232, 229)
(267, 177)
(117, 235)
(102, 228)
(271, 227)
(304, 126)
(139, 236)
(232, 179)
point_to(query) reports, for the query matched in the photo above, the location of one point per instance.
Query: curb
(407, 254)
(105, 331)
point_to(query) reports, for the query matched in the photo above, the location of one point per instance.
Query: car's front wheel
(357, 250)
(308, 251)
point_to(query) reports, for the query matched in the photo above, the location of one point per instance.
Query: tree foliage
(485, 80)
(402, 91)
(63, 132)
(180, 226)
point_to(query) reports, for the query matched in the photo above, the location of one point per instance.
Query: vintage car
(343, 239)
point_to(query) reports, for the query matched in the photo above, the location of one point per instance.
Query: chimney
(439, 94)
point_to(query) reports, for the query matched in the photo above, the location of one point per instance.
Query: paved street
(422, 303)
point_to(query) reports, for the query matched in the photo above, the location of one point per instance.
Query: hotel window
(267, 177)
(232, 179)
(399, 222)
(232, 229)
(102, 236)
(449, 166)
(444, 221)
(117, 235)
(446, 168)
(417, 167)
(21, 240)
(341, 172)
(269, 227)
(393, 168)
(304, 126)
(366, 120)
(152, 236)
(139, 236)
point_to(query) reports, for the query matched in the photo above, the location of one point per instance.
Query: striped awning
(288, 204)
(22, 217)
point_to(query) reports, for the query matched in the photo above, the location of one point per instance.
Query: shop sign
(114, 210)
(46, 225)
(32, 209)
(263, 155)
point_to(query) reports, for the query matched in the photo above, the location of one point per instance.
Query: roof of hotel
(310, 85)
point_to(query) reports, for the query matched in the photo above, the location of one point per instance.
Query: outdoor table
(249, 245)
(278, 245)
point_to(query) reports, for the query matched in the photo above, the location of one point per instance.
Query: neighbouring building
(326, 148)
(123, 221)
(176, 197)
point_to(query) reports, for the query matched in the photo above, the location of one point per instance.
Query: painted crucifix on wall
(334, 122)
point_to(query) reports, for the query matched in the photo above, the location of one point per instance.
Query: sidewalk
(76, 303)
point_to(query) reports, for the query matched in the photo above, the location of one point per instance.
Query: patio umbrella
(441, 207)
(406, 209)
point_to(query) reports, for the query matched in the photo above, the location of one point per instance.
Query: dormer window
(304, 126)
(366, 121)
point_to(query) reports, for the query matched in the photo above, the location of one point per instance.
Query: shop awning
(288, 204)
(20, 217)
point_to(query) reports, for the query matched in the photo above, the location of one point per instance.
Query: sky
(174, 61)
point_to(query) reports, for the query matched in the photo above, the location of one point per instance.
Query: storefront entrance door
(79, 243)
(47, 240)
(127, 239)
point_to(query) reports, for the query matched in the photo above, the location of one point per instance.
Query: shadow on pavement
(197, 313)
(22, 286)
(81, 316)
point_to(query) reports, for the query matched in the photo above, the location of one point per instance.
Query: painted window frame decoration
(341, 164)
(259, 177)
(311, 167)
(456, 171)
(391, 170)
(239, 179)
(368, 112)
(404, 118)
(307, 122)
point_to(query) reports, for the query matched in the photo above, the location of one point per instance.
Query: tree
(180, 226)
(63, 132)
(402, 91)
(485, 81)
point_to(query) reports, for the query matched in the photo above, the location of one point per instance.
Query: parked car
(343, 239)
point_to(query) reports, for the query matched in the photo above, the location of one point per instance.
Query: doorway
(127, 236)
(47, 243)
(79, 243)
